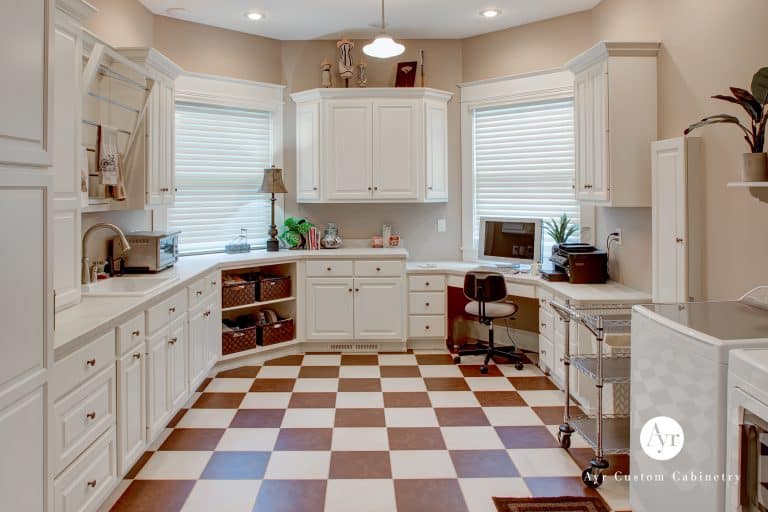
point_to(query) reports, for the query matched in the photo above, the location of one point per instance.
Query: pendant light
(383, 46)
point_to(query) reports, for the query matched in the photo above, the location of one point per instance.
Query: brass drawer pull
(207, 313)
(91, 415)
(199, 292)
(91, 362)
(136, 333)
(214, 283)
(92, 484)
(173, 341)
(137, 355)
(172, 310)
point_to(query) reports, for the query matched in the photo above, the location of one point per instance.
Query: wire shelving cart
(607, 434)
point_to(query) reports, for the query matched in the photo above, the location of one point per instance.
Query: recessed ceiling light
(254, 15)
(490, 13)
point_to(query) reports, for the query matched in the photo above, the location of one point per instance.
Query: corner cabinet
(615, 94)
(372, 145)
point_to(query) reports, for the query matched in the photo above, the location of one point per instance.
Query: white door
(436, 130)
(198, 349)
(155, 161)
(592, 137)
(158, 406)
(308, 152)
(177, 363)
(669, 221)
(349, 152)
(131, 401)
(330, 308)
(379, 304)
(398, 147)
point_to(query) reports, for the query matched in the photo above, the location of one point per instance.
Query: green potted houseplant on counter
(295, 231)
(755, 164)
(560, 230)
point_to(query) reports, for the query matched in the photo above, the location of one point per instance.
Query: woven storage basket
(239, 340)
(276, 333)
(273, 287)
(238, 294)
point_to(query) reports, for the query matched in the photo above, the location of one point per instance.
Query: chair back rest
(485, 286)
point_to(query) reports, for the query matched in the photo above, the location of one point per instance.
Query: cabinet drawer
(426, 326)
(88, 482)
(130, 334)
(330, 268)
(544, 297)
(82, 416)
(547, 323)
(546, 354)
(197, 291)
(166, 311)
(367, 268)
(76, 368)
(212, 281)
(426, 283)
(426, 303)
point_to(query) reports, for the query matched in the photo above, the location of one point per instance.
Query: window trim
(545, 85)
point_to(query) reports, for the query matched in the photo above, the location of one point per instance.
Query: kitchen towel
(108, 157)
(117, 192)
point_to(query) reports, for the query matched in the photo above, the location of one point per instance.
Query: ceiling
(330, 19)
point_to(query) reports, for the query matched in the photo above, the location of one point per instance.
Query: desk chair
(486, 291)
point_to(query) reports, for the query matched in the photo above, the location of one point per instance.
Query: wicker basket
(277, 332)
(238, 294)
(273, 287)
(239, 340)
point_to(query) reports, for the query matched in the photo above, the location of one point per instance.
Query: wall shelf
(260, 350)
(748, 184)
(258, 304)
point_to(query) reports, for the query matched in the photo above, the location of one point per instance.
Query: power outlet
(441, 226)
(619, 238)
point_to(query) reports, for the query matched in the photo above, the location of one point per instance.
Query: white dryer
(680, 370)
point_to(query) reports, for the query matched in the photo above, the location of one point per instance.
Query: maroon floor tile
(483, 464)
(273, 385)
(131, 474)
(291, 496)
(154, 496)
(359, 385)
(203, 385)
(558, 486)
(360, 418)
(500, 399)
(219, 401)
(359, 359)
(193, 439)
(419, 495)
(319, 372)
(360, 465)
(258, 418)
(446, 384)
(312, 401)
(236, 466)
(527, 437)
(532, 383)
(461, 417)
(244, 372)
(395, 399)
(429, 359)
(473, 370)
(304, 439)
(554, 415)
(618, 463)
(400, 371)
(415, 438)
(294, 360)
(176, 418)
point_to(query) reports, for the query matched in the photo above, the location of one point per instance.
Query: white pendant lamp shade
(383, 46)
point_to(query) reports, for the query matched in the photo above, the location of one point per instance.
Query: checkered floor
(388, 432)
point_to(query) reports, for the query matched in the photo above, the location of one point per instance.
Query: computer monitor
(508, 240)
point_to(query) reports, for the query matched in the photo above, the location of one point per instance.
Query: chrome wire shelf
(616, 368)
(615, 432)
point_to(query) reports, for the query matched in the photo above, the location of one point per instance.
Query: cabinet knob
(207, 313)
(350, 290)
(543, 324)
(426, 304)
(91, 415)
(172, 310)
(378, 269)
(137, 355)
(357, 289)
(91, 362)
(543, 352)
(426, 327)
(375, 188)
(92, 483)
(136, 333)
(165, 189)
(213, 283)
(175, 189)
(328, 269)
(679, 240)
(173, 341)
(314, 188)
(426, 284)
(369, 188)
(429, 188)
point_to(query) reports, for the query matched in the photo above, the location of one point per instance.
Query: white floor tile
(615, 493)
(511, 416)
(224, 495)
(489, 384)
(316, 386)
(229, 386)
(397, 359)
(544, 462)
(248, 440)
(543, 398)
(309, 418)
(421, 464)
(471, 438)
(359, 400)
(267, 400)
(171, 465)
(402, 384)
(322, 360)
(298, 465)
(440, 370)
(369, 495)
(359, 372)
(360, 439)
(278, 372)
(479, 492)
(411, 417)
(453, 399)
(207, 418)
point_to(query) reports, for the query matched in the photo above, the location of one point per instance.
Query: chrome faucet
(85, 276)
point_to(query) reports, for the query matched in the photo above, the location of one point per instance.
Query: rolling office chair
(486, 291)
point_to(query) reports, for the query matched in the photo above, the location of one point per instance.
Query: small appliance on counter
(151, 251)
(578, 264)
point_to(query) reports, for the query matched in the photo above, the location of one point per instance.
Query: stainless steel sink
(125, 286)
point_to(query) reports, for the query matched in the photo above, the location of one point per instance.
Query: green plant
(560, 230)
(755, 108)
(295, 231)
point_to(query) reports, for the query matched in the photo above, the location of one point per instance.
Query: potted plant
(295, 231)
(754, 164)
(560, 230)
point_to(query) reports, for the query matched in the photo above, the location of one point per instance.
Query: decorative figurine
(362, 75)
(326, 73)
(346, 68)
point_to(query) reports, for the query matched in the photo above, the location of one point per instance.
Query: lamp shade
(383, 47)
(273, 182)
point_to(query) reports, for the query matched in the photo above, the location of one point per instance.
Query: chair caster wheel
(483, 369)
(519, 367)
(592, 477)
(565, 440)
(457, 359)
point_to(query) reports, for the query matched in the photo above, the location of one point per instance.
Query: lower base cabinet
(132, 412)
(204, 335)
(167, 374)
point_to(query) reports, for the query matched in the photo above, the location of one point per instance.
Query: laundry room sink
(125, 286)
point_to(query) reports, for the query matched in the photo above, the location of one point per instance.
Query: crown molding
(79, 10)
(370, 92)
(153, 59)
(605, 49)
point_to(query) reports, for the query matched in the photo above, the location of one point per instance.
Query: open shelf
(616, 369)
(261, 349)
(258, 304)
(748, 184)
(615, 432)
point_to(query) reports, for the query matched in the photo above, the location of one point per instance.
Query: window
(220, 156)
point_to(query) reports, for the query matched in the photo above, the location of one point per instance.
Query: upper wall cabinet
(372, 145)
(616, 109)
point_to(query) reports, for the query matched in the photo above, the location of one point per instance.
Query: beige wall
(122, 23)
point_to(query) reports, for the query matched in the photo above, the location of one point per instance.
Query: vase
(331, 238)
(754, 167)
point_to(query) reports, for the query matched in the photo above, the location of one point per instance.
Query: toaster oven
(151, 251)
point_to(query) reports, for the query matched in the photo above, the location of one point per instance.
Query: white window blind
(221, 154)
(524, 162)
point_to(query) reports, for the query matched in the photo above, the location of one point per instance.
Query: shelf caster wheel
(457, 359)
(519, 367)
(564, 439)
(592, 477)
(483, 369)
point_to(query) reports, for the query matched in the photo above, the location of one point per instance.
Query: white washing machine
(680, 370)
(747, 446)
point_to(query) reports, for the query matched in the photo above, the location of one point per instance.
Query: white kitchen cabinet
(131, 413)
(379, 308)
(204, 331)
(615, 96)
(158, 406)
(177, 364)
(676, 219)
(371, 145)
(330, 308)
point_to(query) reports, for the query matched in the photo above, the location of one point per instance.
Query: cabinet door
(131, 401)
(583, 134)
(177, 363)
(329, 308)
(200, 344)
(349, 153)
(155, 146)
(213, 331)
(308, 152)
(436, 130)
(398, 146)
(158, 406)
(379, 308)
(599, 189)
(169, 138)
(591, 118)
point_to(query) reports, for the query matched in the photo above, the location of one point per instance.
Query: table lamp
(273, 184)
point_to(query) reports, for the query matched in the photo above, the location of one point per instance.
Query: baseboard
(363, 346)
(420, 344)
